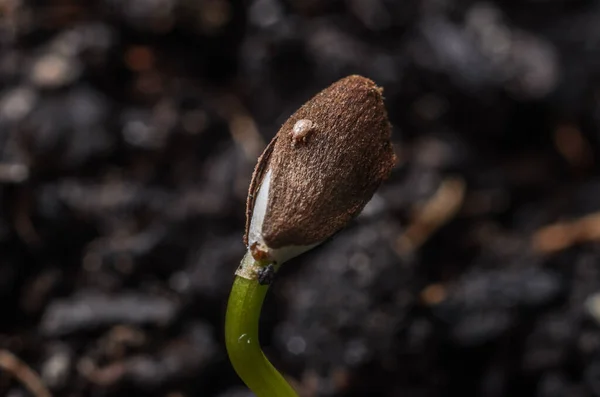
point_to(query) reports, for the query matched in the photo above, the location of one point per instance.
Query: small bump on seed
(301, 130)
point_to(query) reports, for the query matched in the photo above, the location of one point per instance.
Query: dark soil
(128, 135)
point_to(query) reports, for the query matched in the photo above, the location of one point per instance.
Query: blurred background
(129, 130)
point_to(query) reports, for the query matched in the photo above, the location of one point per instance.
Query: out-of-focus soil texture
(128, 134)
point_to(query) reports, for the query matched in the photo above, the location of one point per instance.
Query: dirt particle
(301, 130)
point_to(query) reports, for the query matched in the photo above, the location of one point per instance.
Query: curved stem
(241, 338)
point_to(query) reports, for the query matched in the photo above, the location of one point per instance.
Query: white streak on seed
(301, 130)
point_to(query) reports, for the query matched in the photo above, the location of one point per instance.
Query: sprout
(314, 177)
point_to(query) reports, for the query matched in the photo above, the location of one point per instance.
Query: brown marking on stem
(258, 254)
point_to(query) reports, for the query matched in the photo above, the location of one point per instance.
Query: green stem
(241, 337)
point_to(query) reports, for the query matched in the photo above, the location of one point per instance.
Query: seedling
(314, 177)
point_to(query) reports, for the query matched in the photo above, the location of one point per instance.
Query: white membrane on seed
(259, 211)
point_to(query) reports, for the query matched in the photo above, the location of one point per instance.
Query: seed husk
(317, 187)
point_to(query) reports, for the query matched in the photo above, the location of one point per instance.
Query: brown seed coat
(318, 187)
